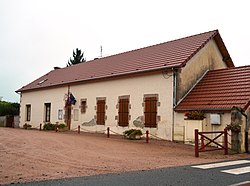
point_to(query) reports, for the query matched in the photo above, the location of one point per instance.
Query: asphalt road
(186, 175)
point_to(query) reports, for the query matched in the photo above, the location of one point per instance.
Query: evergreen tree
(77, 57)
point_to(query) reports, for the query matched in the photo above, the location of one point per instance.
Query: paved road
(225, 173)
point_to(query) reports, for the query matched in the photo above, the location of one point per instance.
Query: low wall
(3, 121)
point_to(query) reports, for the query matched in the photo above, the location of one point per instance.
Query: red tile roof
(219, 90)
(162, 56)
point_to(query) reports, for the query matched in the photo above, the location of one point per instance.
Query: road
(223, 173)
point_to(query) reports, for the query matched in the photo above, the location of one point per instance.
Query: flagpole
(68, 90)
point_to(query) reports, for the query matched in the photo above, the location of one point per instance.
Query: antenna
(1, 97)
(101, 51)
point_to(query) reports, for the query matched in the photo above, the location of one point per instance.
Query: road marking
(238, 171)
(244, 183)
(222, 164)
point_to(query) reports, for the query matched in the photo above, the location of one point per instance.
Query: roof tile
(161, 56)
(218, 90)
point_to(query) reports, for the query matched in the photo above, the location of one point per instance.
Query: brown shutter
(100, 112)
(150, 111)
(123, 112)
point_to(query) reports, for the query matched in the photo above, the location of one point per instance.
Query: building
(139, 88)
(216, 94)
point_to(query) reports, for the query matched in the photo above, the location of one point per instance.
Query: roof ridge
(137, 49)
(155, 45)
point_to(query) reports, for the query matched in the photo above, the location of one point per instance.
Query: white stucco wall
(180, 125)
(208, 58)
(136, 87)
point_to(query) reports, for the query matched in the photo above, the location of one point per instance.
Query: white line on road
(222, 164)
(238, 171)
(244, 183)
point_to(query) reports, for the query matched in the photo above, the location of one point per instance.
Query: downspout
(246, 132)
(174, 89)
(174, 99)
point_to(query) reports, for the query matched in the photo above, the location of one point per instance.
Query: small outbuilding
(216, 94)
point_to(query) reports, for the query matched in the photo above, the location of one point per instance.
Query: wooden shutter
(100, 112)
(123, 112)
(150, 111)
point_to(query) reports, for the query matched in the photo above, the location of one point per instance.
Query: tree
(77, 58)
(8, 108)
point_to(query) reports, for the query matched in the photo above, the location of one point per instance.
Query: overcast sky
(37, 35)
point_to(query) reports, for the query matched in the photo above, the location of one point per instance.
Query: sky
(37, 35)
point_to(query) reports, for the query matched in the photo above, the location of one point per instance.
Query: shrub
(26, 126)
(195, 115)
(49, 126)
(132, 133)
(61, 126)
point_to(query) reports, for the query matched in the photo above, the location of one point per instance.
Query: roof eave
(203, 109)
(222, 47)
(246, 106)
(99, 78)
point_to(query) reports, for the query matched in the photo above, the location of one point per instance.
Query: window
(60, 114)
(28, 112)
(150, 111)
(47, 111)
(83, 105)
(123, 112)
(100, 112)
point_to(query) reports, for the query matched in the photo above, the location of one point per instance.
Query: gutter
(174, 87)
(204, 109)
(101, 78)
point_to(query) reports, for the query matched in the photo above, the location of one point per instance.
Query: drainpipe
(174, 88)
(246, 132)
(174, 100)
